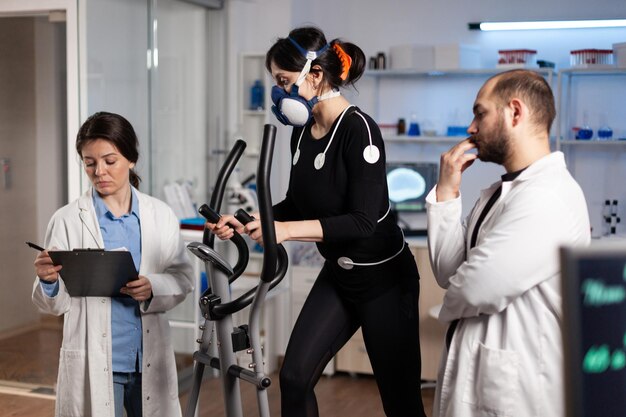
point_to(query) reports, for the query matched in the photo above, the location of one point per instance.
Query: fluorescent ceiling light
(548, 24)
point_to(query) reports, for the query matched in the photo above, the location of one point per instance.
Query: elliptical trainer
(216, 304)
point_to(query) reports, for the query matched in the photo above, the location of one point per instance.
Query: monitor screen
(594, 318)
(409, 183)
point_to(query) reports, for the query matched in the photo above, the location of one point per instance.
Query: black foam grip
(210, 214)
(243, 216)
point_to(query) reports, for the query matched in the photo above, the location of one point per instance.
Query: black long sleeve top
(348, 195)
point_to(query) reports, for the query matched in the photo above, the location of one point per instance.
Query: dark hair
(286, 56)
(532, 88)
(115, 129)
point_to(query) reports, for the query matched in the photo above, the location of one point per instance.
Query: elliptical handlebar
(243, 254)
(245, 299)
(275, 258)
(270, 248)
(217, 196)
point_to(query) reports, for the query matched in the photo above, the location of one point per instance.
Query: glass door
(145, 59)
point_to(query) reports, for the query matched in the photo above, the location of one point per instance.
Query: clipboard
(95, 272)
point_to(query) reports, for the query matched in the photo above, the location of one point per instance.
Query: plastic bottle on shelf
(401, 127)
(381, 61)
(257, 96)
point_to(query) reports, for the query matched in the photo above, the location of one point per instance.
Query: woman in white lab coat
(505, 356)
(85, 385)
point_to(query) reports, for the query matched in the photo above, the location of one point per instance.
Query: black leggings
(390, 328)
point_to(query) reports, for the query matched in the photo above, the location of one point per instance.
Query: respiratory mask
(291, 108)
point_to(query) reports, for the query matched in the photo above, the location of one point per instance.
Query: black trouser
(390, 328)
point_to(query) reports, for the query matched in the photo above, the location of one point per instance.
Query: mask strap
(310, 57)
(329, 94)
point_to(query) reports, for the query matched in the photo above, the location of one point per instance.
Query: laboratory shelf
(598, 143)
(566, 101)
(423, 139)
(447, 73)
(437, 88)
(607, 70)
(261, 113)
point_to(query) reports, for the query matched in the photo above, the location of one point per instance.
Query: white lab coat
(84, 385)
(506, 355)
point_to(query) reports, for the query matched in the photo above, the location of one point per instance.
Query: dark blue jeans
(127, 392)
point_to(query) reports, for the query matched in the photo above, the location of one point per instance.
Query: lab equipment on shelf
(610, 219)
(591, 58)
(401, 127)
(517, 58)
(606, 218)
(614, 218)
(583, 133)
(414, 127)
(388, 129)
(457, 131)
(381, 61)
(257, 96)
(605, 133)
(542, 63)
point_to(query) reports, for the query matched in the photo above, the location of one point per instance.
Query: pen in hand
(44, 268)
(35, 246)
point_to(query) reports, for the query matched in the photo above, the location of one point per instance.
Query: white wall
(253, 26)
(18, 143)
(377, 25)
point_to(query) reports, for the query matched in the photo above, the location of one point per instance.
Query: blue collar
(102, 209)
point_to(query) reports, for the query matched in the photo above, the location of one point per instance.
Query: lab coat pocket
(71, 384)
(493, 381)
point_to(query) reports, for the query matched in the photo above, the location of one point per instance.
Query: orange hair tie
(346, 60)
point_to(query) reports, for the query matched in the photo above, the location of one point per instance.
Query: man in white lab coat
(500, 266)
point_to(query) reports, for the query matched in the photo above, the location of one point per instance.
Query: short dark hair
(115, 129)
(287, 56)
(532, 88)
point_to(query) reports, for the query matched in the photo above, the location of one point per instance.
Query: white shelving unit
(424, 140)
(594, 97)
(589, 91)
(482, 72)
(439, 99)
(593, 143)
(441, 91)
(251, 121)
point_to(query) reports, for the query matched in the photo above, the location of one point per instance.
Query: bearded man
(500, 266)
